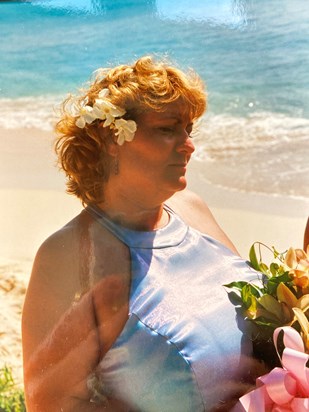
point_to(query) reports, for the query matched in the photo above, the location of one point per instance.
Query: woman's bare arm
(65, 336)
(60, 340)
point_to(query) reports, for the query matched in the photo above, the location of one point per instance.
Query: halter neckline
(170, 235)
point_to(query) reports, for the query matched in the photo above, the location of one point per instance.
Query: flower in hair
(103, 109)
(124, 130)
(84, 113)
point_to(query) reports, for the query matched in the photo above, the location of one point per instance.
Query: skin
(77, 299)
(306, 236)
(195, 212)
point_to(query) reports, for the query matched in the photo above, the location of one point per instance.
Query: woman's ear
(112, 147)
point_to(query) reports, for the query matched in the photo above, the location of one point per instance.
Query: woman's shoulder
(56, 265)
(73, 249)
(64, 233)
(52, 285)
(196, 213)
(66, 239)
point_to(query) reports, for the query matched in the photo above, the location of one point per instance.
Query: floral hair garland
(103, 109)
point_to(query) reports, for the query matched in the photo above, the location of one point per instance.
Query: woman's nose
(186, 144)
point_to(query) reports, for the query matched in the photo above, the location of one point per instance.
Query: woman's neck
(133, 212)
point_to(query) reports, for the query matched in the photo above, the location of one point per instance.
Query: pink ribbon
(283, 389)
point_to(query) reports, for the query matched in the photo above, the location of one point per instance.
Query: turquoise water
(253, 55)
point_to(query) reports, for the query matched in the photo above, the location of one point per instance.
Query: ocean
(252, 54)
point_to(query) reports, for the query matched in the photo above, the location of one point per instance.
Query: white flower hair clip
(103, 109)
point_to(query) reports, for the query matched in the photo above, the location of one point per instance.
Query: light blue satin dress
(181, 349)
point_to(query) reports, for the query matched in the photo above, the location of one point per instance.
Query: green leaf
(264, 269)
(272, 307)
(255, 290)
(284, 278)
(251, 311)
(273, 282)
(236, 285)
(246, 296)
(271, 286)
(235, 299)
(253, 259)
(262, 321)
(249, 292)
(274, 267)
(276, 253)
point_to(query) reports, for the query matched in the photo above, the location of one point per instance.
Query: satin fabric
(181, 349)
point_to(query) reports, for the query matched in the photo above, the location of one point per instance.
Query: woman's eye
(167, 129)
(189, 130)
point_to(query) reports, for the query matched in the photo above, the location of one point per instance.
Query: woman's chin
(181, 184)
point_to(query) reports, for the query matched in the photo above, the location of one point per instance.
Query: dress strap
(102, 218)
(170, 235)
(169, 209)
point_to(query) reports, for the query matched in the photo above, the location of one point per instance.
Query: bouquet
(276, 308)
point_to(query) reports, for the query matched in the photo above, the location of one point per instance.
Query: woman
(125, 310)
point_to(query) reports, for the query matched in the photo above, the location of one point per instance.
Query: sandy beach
(34, 204)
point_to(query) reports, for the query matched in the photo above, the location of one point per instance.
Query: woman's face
(157, 158)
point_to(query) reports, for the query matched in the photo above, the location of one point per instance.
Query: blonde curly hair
(147, 84)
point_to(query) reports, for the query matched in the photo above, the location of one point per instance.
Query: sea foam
(27, 112)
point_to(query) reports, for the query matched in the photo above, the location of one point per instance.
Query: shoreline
(259, 202)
